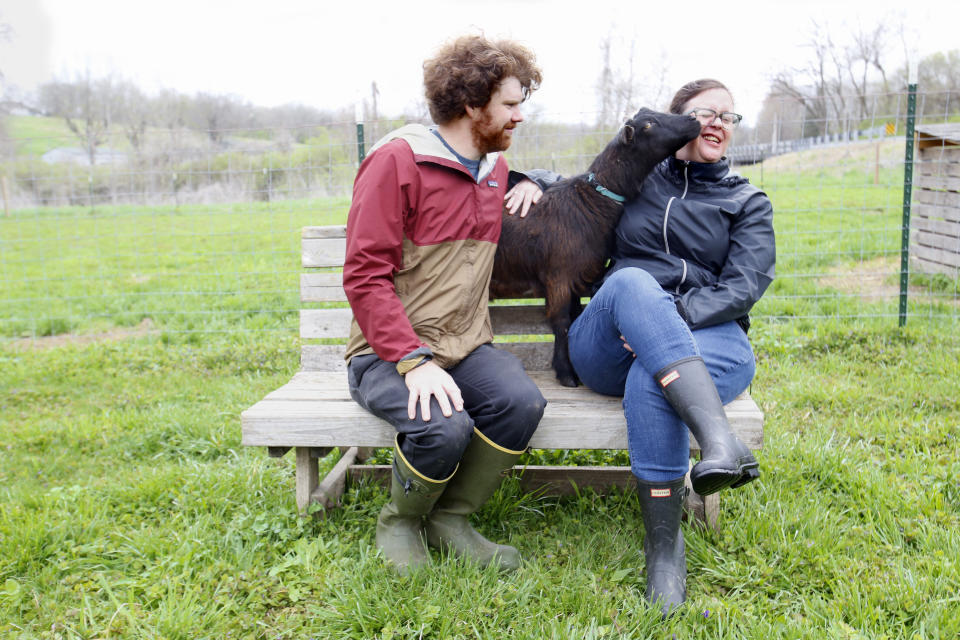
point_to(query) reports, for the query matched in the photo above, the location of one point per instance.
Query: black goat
(559, 250)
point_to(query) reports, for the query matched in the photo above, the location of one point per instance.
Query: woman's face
(711, 144)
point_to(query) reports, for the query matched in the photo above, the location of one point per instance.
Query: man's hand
(427, 380)
(524, 194)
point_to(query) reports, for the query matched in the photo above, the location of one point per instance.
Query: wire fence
(195, 232)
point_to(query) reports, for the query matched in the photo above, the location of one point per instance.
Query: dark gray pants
(499, 399)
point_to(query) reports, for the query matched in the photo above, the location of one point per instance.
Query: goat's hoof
(568, 381)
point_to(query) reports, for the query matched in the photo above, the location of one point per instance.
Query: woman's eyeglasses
(728, 119)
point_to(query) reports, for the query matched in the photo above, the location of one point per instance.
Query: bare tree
(86, 105)
(133, 111)
(834, 85)
(215, 114)
(622, 91)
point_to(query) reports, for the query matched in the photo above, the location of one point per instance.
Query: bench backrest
(325, 317)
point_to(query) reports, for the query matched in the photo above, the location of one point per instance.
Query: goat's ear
(626, 134)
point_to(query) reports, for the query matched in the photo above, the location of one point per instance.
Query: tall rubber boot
(400, 525)
(481, 471)
(724, 460)
(662, 507)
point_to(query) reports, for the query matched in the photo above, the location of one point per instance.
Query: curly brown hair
(692, 89)
(466, 72)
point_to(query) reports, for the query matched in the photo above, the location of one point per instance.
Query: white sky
(326, 53)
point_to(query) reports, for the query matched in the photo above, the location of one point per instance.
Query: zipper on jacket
(666, 218)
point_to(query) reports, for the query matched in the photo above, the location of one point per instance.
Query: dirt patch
(877, 280)
(145, 328)
(872, 281)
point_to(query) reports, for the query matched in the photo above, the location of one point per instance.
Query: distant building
(78, 156)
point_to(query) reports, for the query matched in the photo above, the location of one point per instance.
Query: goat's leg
(560, 307)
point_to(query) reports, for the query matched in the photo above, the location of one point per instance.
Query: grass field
(132, 338)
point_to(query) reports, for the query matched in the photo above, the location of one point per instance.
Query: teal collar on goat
(602, 189)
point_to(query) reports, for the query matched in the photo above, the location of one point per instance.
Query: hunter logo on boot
(660, 493)
(670, 377)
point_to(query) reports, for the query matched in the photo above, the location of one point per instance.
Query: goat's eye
(647, 125)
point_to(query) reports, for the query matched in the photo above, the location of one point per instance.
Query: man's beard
(486, 139)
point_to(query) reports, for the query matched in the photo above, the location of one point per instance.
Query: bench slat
(329, 231)
(322, 287)
(506, 320)
(323, 252)
(535, 356)
(315, 410)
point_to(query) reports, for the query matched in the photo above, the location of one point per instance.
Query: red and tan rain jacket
(421, 236)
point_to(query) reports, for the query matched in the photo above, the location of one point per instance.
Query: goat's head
(642, 142)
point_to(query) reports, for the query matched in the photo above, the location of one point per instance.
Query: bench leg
(329, 491)
(307, 478)
(703, 508)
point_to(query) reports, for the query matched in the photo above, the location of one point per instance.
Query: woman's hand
(627, 346)
(430, 379)
(524, 194)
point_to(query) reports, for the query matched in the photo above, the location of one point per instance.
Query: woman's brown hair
(693, 89)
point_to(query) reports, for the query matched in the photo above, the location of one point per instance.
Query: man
(421, 237)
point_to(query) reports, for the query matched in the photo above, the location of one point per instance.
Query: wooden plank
(932, 260)
(937, 182)
(323, 357)
(330, 231)
(322, 252)
(325, 323)
(923, 266)
(943, 228)
(947, 199)
(330, 490)
(948, 243)
(534, 355)
(938, 154)
(938, 168)
(591, 422)
(931, 212)
(322, 287)
(306, 477)
(512, 320)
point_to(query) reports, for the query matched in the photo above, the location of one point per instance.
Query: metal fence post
(907, 193)
(361, 150)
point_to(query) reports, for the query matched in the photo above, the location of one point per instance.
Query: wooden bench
(313, 413)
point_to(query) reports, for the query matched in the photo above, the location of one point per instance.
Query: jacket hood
(426, 145)
(705, 172)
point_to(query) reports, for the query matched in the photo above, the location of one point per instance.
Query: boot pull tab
(670, 377)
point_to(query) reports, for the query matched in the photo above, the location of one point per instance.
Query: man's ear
(473, 113)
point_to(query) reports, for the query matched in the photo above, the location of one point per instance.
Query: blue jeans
(633, 305)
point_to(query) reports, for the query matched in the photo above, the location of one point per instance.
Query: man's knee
(435, 447)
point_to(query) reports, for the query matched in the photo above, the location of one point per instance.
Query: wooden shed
(935, 211)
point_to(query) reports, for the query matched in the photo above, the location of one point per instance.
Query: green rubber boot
(448, 527)
(400, 525)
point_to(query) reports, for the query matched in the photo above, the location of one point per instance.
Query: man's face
(492, 126)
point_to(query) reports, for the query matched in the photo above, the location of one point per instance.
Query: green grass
(199, 269)
(35, 135)
(129, 509)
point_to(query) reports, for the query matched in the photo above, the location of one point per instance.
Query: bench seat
(314, 414)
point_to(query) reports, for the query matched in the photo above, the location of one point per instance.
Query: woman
(667, 327)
